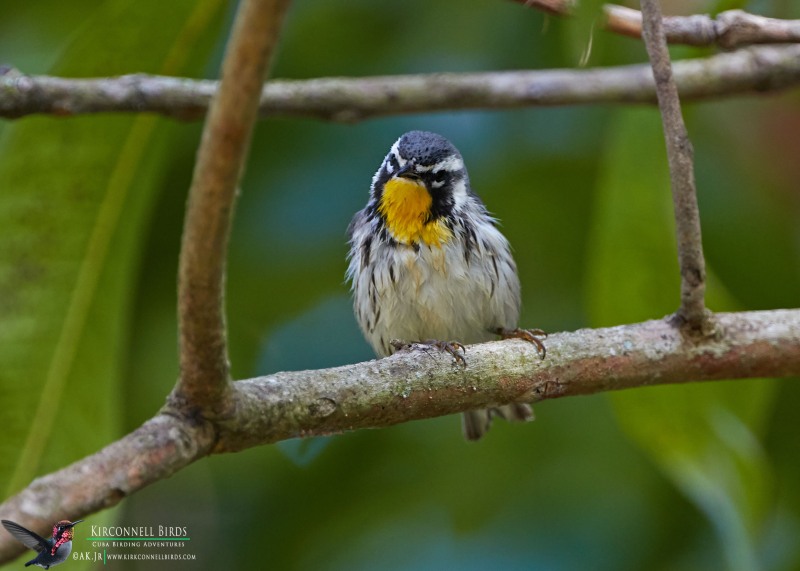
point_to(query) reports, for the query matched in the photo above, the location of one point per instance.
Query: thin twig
(405, 387)
(220, 160)
(557, 7)
(730, 29)
(680, 155)
(752, 70)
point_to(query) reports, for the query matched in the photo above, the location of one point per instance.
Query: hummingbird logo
(49, 551)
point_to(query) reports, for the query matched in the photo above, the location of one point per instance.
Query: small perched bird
(50, 551)
(428, 264)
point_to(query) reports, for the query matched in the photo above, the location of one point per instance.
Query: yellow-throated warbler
(427, 262)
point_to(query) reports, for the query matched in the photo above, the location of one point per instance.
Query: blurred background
(91, 209)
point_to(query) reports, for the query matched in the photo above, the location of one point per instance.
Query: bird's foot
(535, 336)
(455, 348)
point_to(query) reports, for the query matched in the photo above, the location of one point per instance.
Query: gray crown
(425, 148)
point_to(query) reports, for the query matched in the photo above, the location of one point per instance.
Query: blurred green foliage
(694, 477)
(705, 436)
(76, 200)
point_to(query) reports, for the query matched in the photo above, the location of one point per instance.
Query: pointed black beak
(407, 171)
(74, 523)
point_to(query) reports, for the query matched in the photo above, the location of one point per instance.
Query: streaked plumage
(427, 261)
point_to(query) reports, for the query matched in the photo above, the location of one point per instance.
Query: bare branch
(680, 155)
(729, 30)
(220, 161)
(752, 70)
(410, 386)
(406, 387)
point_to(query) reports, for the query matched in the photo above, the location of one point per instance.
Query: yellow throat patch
(405, 205)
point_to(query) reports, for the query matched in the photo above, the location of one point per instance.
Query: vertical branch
(692, 312)
(223, 149)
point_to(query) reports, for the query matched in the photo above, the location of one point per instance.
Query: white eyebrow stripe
(450, 164)
(395, 152)
(453, 163)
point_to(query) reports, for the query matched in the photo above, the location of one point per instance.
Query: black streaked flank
(366, 246)
(470, 240)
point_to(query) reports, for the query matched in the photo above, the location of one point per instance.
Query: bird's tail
(476, 423)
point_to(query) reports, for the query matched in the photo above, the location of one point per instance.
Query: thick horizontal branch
(410, 386)
(756, 69)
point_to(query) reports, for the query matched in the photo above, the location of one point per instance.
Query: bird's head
(421, 183)
(62, 531)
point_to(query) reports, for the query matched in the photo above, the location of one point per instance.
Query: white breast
(431, 292)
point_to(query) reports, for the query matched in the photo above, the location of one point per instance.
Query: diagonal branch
(680, 155)
(220, 161)
(407, 387)
(754, 70)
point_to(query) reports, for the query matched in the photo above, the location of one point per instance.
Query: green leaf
(704, 437)
(75, 203)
